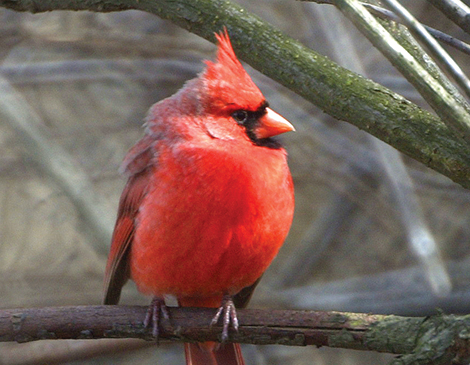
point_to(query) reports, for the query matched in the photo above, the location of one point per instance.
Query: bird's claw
(229, 316)
(156, 309)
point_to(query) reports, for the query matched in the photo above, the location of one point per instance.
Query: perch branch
(437, 339)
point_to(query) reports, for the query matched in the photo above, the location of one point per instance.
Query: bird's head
(229, 92)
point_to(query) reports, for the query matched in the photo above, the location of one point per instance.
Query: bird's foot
(229, 316)
(153, 318)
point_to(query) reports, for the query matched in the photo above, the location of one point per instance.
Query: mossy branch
(339, 92)
(438, 339)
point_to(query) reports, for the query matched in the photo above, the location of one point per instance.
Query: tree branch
(386, 14)
(452, 110)
(420, 32)
(438, 338)
(455, 10)
(339, 92)
(296, 328)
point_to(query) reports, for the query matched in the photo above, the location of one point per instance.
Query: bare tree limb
(452, 110)
(455, 10)
(386, 14)
(438, 339)
(439, 54)
(296, 328)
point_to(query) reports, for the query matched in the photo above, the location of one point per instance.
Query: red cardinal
(208, 203)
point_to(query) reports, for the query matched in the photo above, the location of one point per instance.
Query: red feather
(209, 200)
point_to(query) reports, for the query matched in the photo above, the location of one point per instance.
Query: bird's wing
(138, 166)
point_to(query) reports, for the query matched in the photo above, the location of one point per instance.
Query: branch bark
(295, 328)
(386, 14)
(339, 92)
(455, 10)
(438, 339)
(452, 110)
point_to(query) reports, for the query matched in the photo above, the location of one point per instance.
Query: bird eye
(240, 116)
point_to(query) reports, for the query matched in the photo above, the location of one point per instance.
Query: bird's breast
(213, 219)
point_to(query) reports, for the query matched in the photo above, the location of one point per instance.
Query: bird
(208, 202)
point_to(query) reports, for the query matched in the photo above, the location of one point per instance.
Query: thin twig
(386, 14)
(440, 36)
(436, 50)
(456, 11)
(452, 110)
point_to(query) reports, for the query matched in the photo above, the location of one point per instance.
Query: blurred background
(374, 231)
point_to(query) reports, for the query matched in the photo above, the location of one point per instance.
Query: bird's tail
(211, 353)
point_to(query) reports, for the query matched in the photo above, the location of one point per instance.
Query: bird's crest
(228, 84)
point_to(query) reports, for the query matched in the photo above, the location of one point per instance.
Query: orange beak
(271, 124)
